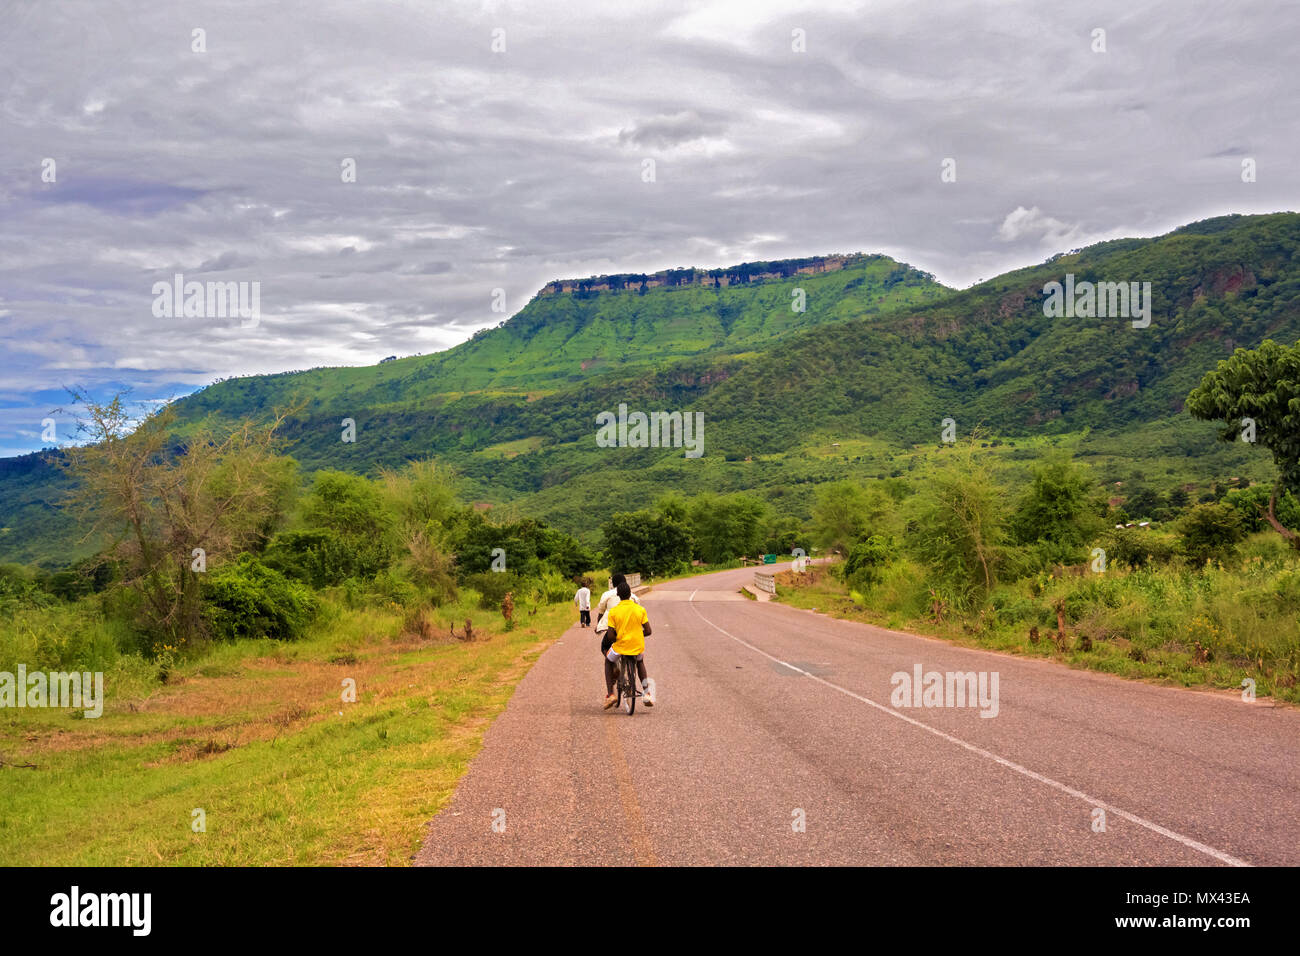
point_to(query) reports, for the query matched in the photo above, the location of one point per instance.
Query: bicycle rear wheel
(629, 682)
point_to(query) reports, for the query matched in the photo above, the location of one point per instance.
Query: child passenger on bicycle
(629, 621)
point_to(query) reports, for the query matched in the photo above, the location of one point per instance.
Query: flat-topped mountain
(744, 274)
(879, 356)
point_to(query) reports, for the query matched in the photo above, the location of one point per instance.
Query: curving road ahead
(775, 742)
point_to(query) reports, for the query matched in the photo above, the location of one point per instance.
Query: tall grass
(1217, 624)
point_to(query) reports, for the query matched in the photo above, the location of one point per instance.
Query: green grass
(1211, 628)
(256, 735)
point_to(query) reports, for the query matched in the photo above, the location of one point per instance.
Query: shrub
(1211, 532)
(320, 557)
(249, 599)
(1138, 547)
(867, 560)
(492, 586)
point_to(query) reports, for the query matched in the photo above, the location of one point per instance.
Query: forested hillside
(853, 386)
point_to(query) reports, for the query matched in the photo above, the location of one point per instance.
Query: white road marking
(1010, 764)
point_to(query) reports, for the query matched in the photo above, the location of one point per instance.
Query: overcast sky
(479, 169)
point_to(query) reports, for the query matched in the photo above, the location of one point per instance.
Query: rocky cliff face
(745, 273)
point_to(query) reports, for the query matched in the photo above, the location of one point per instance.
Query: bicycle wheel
(629, 680)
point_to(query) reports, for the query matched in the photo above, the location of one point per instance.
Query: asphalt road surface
(775, 741)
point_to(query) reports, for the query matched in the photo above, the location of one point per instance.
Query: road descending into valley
(774, 741)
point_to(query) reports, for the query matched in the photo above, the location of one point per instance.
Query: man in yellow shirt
(629, 621)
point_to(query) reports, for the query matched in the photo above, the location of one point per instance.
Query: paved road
(775, 742)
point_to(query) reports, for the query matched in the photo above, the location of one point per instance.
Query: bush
(249, 599)
(553, 587)
(1211, 532)
(492, 587)
(319, 557)
(867, 561)
(1138, 547)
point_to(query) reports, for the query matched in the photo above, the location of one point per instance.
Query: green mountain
(858, 384)
(618, 328)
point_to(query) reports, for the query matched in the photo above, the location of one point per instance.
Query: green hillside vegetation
(860, 393)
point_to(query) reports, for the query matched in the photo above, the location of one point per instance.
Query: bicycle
(626, 683)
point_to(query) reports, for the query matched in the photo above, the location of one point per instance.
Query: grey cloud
(665, 131)
(479, 170)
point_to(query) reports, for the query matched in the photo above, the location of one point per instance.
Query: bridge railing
(765, 581)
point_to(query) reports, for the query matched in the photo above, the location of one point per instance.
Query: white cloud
(1022, 223)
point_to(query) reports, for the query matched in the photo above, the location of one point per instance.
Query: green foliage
(958, 526)
(1252, 503)
(1060, 513)
(248, 599)
(846, 511)
(867, 561)
(492, 586)
(360, 530)
(530, 547)
(20, 588)
(1263, 385)
(726, 527)
(646, 542)
(320, 557)
(1211, 532)
(1138, 547)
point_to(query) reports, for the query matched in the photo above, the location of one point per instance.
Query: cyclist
(607, 601)
(630, 625)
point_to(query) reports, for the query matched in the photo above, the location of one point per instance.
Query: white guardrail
(633, 580)
(765, 581)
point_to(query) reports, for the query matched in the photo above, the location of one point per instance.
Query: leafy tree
(1262, 385)
(726, 528)
(1251, 503)
(352, 509)
(846, 511)
(783, 534)
(867, 560)
(1211, 532)
(673, 505)
(1138, 547)
(958, 528)
(530, 547)
(1145, 503)
(220, 490)
(646, 542)
(248, 599)
(422, 498)
(1060, 512)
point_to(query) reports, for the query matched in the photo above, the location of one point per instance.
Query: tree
(422, 498)
(958, 525)
(846, 511)
(1061, 510)
(867, 561)
(1211, 532)
(726, 528)
(170, 507)
(351, 508)
(1263, 386)
(646, 542)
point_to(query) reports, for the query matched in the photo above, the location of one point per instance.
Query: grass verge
(256, 736)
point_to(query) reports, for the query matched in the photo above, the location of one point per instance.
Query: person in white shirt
(607, 636)
(582, 598)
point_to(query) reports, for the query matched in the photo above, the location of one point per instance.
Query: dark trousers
(584, 618)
